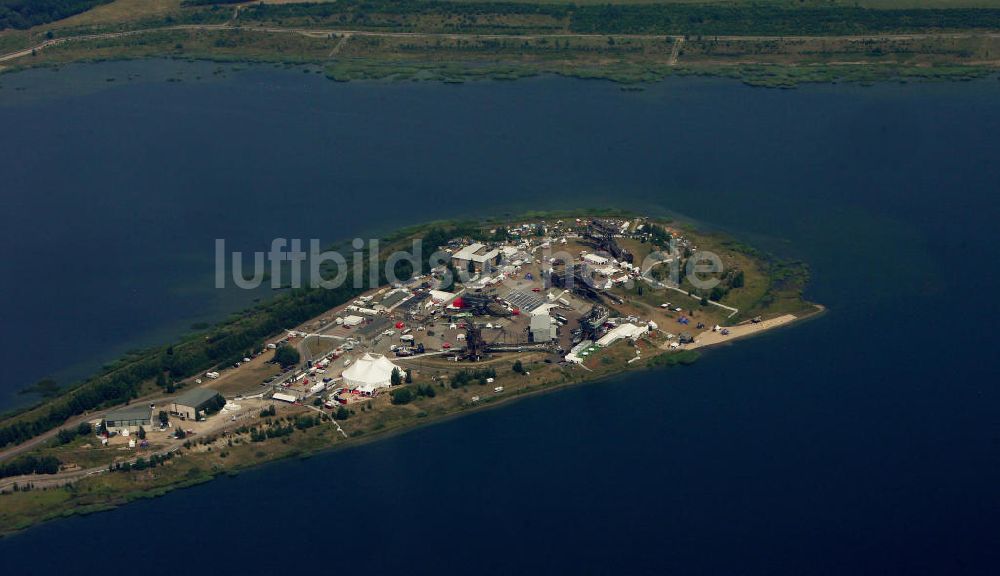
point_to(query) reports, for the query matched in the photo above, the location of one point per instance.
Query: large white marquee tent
(369, 373)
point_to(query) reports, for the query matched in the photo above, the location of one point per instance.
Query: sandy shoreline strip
(708, 338)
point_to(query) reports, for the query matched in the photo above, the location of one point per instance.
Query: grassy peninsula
(490, 315)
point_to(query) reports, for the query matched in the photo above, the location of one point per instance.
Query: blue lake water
(865, 441)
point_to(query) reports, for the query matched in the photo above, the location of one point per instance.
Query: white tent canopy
(369, 373)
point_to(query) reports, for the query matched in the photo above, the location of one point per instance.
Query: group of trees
(22, 14)
(103, 390)
(708, 18)
(286, 356)
(277, 431)
(402, 396)
(30, 465)
(360, 9)
(397, 377)
(771, 19)
(141, 463)
(65, 436)
(225, 344)
(409, 394)
(305, 422)
(466, 377)
(214, 404)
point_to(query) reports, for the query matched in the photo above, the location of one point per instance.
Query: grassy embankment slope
(241, 444)
(766, 43)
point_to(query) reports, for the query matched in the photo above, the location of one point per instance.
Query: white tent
(369, 373)
(630, 331)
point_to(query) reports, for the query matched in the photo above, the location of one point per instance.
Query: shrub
(402, 396)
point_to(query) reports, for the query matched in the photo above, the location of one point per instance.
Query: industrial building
(353, 320)
(128, 419)
(195, 403)
(474, 253)
(371, 333)
(394, 298)
(542, 328)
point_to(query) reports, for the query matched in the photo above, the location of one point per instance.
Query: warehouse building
(394, 298)
(128, 419)
(474, 253)
(543, 328)
(197, 403)
(371, 333)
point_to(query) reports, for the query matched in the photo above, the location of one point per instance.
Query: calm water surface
(866, 441)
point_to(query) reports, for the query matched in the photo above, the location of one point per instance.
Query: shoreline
(379, 421)
(387, 433)
(780, 76)
(925, 56)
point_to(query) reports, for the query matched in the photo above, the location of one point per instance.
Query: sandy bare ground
(708, 338)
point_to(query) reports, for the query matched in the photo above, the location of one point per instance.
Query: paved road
(72, 423)
(68, 477)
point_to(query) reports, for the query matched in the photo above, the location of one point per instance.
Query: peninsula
(450, 317)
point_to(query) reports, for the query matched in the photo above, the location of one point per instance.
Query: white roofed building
(595, 259)
(542, 328)
(353, 320)
(473, 252)
(629, 331)
(440, 296)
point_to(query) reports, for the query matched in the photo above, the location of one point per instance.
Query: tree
(286, 356)
(470, 268)
(214, 405)
(84, 429)
(163, 417)
(179, 433)
(717, 293)
(518, 367)
(161, 380)
(142, 433)
(65, 436)
(342, 413)
(402, 396)
(409, 376)
(451, 276)
(395, 379)
(738, 280)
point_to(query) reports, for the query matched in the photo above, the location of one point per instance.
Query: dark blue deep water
(866, 441)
